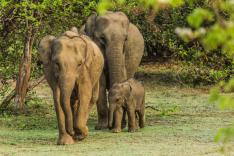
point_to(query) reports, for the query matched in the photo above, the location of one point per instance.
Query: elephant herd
(82, 67)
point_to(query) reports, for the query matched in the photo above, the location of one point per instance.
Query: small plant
(4, 90)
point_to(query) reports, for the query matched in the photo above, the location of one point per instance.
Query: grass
(179, 121)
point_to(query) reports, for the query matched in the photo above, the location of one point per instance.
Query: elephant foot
(65, 140)
(81, 134)
(132, 130)
(100, 126)
(81, 137)
(71, 132)
(141, 125)
(116, 130)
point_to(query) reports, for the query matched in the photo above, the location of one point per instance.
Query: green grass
(179, 122)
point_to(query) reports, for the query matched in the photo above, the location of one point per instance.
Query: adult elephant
(72, 66)
(122, 46)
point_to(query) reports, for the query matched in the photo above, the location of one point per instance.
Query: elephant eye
(79, 64)
(117, 100)
(102, 40)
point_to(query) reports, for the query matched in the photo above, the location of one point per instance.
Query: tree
(25, 21)
(25, 16)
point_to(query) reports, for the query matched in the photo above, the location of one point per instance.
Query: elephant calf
(128, 96)
(72, 66)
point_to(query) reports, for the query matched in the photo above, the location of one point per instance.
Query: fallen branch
(35, 83)
(8, 99)
(152, 108)
(12, 94)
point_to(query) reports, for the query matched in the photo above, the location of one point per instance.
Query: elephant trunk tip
(110, 125)
(110, 122)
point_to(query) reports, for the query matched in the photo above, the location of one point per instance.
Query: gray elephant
(127, 96)
(72, 66)
(122, 46)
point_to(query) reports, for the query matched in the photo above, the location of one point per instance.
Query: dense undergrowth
(161, 41)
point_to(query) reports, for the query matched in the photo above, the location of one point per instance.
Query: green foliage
(45, 17)
(225, 101)
(198, 16)
(202, 75)
(162, 41)
(225, 134)
(4, 90)
(105, 5)
(218, 35)
(159, 32)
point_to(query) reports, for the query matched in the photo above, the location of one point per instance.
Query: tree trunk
(24, 70)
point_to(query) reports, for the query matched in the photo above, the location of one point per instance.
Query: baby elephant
(128, 96)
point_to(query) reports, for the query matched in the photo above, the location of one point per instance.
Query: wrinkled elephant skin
(72, 66)
(122, 46)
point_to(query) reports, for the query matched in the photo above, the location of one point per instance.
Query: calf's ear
(45, 49)
(127, 89)
(129, 96)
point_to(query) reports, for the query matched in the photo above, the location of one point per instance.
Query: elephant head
(110, 32)
(64, 56)
(119, 97)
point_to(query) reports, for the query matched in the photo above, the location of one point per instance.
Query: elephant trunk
(66, 86)
(111, 116)
(116, 62)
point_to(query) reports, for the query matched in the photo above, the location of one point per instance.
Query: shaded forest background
(162, 43)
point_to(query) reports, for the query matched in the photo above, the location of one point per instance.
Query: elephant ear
(45, 49)
(75, 30)
(128, 96)
(127, 90)
(89, 51)
(82, 30)
(130, 91)
(90, 25)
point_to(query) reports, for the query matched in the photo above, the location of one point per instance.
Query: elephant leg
(68, 113)
(74, 106)
(102, 108)
(85, 95)
(64, 137)
(141, 115)
(137, 119)
(95, 94)
(131, 120)
(118, 118)
(124, 121)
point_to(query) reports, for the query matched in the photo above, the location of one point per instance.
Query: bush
(159, 34)
(162, 41)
